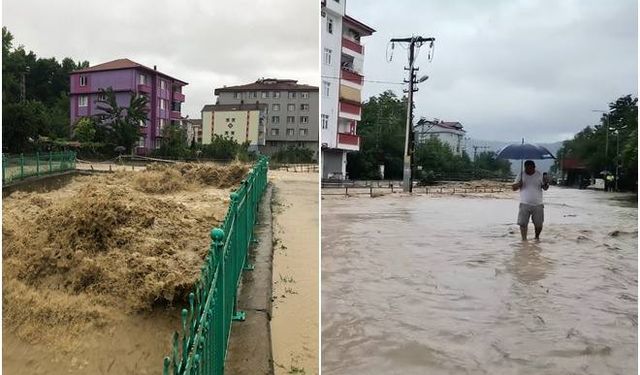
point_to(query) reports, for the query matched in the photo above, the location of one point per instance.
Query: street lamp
(617, 131)
(606, 144)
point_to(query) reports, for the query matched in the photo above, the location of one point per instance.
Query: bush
(293, 154)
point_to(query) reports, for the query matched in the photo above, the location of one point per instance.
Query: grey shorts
(536, 213)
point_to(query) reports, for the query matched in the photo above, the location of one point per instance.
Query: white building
(449, 133)
(340, 91)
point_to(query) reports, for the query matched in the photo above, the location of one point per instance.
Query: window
(142, 79)
(304, 95)
(264, 94)
(325, 88)
(162, 104)
(141, 142)
(233, 119)
(325, 121)
(158, 142)
(276, 107)
(291, 131)
(102, 97)
(233, 132)
(237, 95)
(83, 80)
(252, 94)
(291, 119)
(330, 25)
(275, 131)
(163, 123)
(304, 119)
(227, 119)
(292, 95)
(326, 57)
(303, 132)
(83, 101)
(291, 107)
(276, 94)
(226, 132)
(163, 84)
(304, 107)
(275, 119)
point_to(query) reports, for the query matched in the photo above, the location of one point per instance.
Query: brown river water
(444, 285)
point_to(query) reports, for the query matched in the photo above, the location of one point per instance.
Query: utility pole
(414, 41)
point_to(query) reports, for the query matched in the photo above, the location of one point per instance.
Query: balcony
(352, 77)
(144, 88)
(349, 108)
(178, 96)
(349, 142)
(175, 115)
(352, 45)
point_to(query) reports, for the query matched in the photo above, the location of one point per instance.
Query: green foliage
(596, 146)
(293, 154)
(85, 130)
(382, 134)
(22, 125)
(122, 124)
(46, 83)
(174, 141)
(222, 148)
(488, 161)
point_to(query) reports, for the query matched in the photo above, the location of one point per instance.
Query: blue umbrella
(522, 151)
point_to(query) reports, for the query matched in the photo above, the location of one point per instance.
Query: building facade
(127, 77)
(240, 122)
(291, 115)
(341, 87)
(450, 133)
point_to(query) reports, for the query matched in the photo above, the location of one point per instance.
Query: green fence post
(217, 235)
(50, 164)
(37, 163)
(4, 168)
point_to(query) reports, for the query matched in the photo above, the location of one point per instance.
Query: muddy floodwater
(444, 285)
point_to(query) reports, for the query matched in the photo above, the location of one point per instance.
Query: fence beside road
(19, 167)
(341, 190)
(206, 325)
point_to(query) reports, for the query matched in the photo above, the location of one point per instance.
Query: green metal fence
(206, 324)
(18, 167)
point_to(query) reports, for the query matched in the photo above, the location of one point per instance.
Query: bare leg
(523, 232)
(538, 230)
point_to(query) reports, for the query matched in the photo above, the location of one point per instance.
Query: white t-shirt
(531, 190)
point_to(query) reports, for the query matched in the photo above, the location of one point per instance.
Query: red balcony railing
(351, 76)
(144, 88)
(354, 46)
(350, 108)
(175, 114)
(178, 96)
(348, 139)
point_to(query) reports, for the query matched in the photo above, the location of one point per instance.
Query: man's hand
(517, 185)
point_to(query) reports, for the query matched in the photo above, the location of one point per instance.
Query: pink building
(125, 77)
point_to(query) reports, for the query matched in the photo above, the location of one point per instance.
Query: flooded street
(443, 285)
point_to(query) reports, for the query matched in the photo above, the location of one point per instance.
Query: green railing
(206, 324)
(18, 167)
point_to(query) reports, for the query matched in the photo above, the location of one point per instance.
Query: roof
(449, 125)
(196, 121)
(268, 84)
(121, 64)
(352, 21)
(233, 107)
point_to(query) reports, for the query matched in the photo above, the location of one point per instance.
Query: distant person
(531, 183)
(610, 182)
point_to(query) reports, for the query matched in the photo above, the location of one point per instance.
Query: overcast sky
(508, 69)
(207, 43)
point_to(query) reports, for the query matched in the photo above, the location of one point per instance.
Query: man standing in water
(531, 183)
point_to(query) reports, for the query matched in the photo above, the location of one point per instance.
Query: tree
(85, 130)
(174, 141)
(22, 124)
(122, 124)
(382, 133)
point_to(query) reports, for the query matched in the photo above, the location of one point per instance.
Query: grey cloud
(507, 69)
(206, 43)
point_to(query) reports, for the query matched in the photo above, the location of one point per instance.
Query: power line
(369, 80)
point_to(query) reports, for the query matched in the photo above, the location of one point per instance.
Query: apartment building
(240, 122)
(450, 133)
(291, 116)
(126, 77)
(341, 87)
